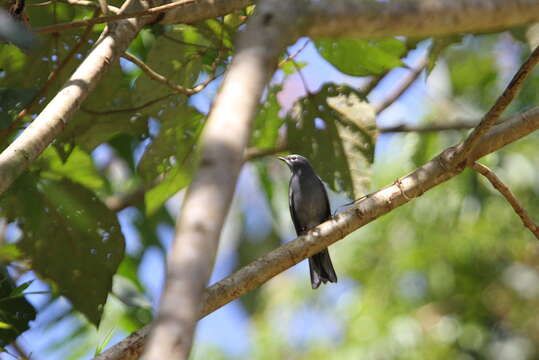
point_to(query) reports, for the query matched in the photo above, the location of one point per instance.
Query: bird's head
(296, 162)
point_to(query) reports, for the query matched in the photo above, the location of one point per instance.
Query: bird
(309, 207)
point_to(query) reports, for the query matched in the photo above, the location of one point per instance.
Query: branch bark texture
(208, 198)
(416, 18)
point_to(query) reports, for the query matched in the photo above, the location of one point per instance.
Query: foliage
(451, 275)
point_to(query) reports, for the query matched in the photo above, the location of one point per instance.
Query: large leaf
(170, 157)
(336, 131)
(78, 167)
(71, 238)
(362, 57)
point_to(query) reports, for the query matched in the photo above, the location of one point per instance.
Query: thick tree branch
(372, 207)
(508, 195)
(416, 18)
(208, 198)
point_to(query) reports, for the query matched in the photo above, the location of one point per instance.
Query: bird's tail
(321, 269)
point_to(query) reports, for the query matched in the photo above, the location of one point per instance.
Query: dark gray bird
(309, 207)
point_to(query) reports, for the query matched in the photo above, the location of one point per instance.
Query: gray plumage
(309, 207)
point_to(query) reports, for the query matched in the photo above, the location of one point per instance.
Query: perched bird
(309, 207)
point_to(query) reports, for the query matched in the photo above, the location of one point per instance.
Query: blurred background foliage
(84, 233)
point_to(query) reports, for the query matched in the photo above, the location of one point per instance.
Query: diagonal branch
(508, 195)
(208, 198)
(372, 207)
(490, 118)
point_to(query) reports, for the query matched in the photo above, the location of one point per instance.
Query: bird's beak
(283, 158)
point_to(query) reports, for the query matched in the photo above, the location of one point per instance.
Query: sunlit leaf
(362, 57)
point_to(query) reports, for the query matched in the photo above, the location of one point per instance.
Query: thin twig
(508, 195)
(136, 108)
(162, 79)
(291, 57)
(402, 87)
(107, 19)
(498, 108)
(181, 42)
(254, 153)
(464, 125)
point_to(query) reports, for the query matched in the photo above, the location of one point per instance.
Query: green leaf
(72, 239)
(79, 167)
(362, 57)
(175, 180)
(336, 131)
(15, 311)
(291, 67)
(171, 154)
(268, 122)
(11, 102)
(9, 253)
(19, 289)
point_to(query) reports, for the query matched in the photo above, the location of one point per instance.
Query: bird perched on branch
(309, 207)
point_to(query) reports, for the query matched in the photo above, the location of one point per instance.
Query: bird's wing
(326, 199)
(295, 219)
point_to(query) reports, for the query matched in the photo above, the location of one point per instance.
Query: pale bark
(416, 18)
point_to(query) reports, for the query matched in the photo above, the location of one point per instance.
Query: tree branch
(208, 198)
(112, 18)
(497, 109)
(461, 125)
(508, 195)
(372, 207)
(187, 11)
(416, 18)
(162, 79)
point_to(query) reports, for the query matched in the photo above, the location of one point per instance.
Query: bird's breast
(309, 201)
